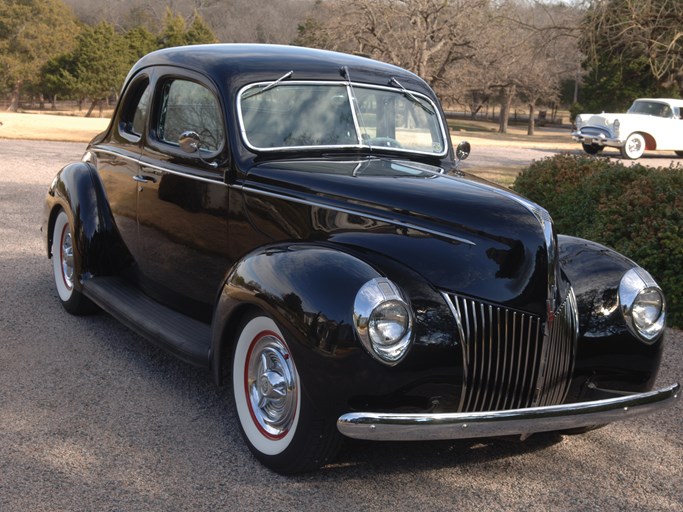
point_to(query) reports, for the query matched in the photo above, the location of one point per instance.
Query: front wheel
(592, 149)
(65, 267)
(279, 424)
(634, 147)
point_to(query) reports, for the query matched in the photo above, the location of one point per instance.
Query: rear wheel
(279, 424)
(65, 267)
(634, 147)
(592, 149)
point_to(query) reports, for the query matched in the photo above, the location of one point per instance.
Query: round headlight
(389, 323)
(615, 127)
(642, 304)
(383, 320)
(647, 308)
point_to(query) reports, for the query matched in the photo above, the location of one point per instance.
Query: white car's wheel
(634, 147)
(278, 423)
(65, 267)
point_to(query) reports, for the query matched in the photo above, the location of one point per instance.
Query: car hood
(461, 233)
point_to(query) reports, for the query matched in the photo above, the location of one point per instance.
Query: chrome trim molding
(426, 427)
(378, 218)
(218, 180)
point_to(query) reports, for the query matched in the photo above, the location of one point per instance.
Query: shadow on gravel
(400, 457)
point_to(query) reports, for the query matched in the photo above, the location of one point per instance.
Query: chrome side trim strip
(378, 218)
(425, 427)
(156, 167)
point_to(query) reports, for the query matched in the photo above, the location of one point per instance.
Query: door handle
(144, 179)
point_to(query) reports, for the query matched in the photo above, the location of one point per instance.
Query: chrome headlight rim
(380, 307)
(636, 289)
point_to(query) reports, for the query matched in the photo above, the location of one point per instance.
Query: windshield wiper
(270, 85)
(412, 97)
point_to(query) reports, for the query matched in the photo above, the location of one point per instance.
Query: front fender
(78, 190)
(309, 290)
(609, 356)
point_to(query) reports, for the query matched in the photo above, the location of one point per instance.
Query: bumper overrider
(522, 422)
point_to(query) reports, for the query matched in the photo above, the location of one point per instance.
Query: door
(183, 199)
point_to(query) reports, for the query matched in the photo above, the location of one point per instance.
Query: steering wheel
(386, 142)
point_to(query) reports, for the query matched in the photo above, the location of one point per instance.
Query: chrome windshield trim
(424, 427)
(141, 163)
(347, 85)
(378, 218)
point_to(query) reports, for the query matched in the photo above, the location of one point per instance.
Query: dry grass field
(497, 157)
(60, 128)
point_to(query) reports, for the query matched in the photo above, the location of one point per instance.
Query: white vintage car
(652, 124)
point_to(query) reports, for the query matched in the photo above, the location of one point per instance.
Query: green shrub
(636, 210)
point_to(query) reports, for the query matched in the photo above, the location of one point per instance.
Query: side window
(135, 109)
(190, 106)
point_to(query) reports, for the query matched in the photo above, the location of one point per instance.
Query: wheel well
(221, 357)
(650, 142)
(50, 228)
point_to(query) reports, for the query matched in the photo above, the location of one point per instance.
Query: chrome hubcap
(67, 257)
(634, 146)
(271, 386)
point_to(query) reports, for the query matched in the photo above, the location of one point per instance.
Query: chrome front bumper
(425, 427)
(600, 139)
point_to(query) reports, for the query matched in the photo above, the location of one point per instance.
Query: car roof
(671, 101)
(241, 64)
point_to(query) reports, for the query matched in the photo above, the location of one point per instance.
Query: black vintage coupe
(294, 220)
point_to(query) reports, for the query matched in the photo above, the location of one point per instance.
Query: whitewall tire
(65, 267)
(634, 147)
(277, 422)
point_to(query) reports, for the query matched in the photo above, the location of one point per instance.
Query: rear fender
(78, 190)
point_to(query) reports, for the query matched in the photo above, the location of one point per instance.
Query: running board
(185, 337)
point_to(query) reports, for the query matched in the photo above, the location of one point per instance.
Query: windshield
(651, 108)
(302, 115)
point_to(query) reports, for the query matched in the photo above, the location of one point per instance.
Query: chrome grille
(512, 359)
(594, 131)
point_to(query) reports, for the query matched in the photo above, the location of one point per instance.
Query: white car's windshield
(302, 115)
(650, 108)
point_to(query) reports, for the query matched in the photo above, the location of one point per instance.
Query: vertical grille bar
(510, 359)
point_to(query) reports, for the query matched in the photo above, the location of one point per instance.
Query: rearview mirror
(463, 150)
(189, 141)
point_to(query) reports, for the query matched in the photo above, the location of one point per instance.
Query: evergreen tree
(31, 33)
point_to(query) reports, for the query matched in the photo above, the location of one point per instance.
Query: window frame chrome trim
(347, 84)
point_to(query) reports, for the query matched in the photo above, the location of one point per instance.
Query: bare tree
(652, 29)
(426, 36)
(239, 21)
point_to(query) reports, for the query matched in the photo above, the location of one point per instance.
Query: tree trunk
(14, 103)
(101, 105)
(505, 109)
(532, 124)
(92, 107)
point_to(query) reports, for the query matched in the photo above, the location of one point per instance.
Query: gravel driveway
(92, 417)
